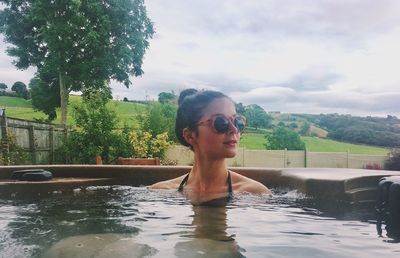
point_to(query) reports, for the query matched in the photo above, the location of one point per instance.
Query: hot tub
(103, 211)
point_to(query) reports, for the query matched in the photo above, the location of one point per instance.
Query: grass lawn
(326, 145)
(253, 141)
(257, 141)
(6, 101)
(21, 108)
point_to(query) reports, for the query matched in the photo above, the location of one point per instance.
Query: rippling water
(123, 221)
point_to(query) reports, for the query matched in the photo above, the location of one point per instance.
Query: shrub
(393, 163)
(93, 134)
(146, 146)
(16, 154)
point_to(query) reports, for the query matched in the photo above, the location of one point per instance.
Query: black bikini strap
(229, 181)
(180, 189)
(230, 190)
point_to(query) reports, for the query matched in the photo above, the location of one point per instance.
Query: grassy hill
(288, 119)
(21, 108)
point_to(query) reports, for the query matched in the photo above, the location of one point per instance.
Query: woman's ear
(189, 136)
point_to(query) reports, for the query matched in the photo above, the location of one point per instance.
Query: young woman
(207, 122)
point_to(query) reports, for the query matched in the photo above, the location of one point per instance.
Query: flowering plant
(146, 146)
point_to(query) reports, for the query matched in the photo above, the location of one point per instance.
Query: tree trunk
(64, 100)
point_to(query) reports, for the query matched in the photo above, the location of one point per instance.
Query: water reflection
(40, 220)
(209, 237)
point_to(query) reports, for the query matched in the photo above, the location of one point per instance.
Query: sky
(292, 56)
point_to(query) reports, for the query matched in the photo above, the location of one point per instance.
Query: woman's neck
(207, 174)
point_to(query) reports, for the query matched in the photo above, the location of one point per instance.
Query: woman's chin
(231, 154)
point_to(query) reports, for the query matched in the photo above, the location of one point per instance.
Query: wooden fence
(39, 140)
(286, 159)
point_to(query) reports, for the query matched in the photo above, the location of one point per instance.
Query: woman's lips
(231, 143)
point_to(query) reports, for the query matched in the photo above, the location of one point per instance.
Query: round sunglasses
(221, 124)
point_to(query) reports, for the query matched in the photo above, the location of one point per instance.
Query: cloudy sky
(299, 56)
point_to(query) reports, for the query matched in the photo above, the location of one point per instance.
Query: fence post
(51, 143)
(284, 157)
(243, 154)
(32, 145)
(4, 135)
(347, 158)
(305, 158)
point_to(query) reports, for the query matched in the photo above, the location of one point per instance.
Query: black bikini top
(228, 180)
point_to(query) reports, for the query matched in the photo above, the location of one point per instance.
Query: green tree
(45, 94)
(81, 43)
(3, 86)
(283, 138)
(293, 125)
(165, 97)
(240, 108)
(257, 117)
(305, 128)
(20, 89)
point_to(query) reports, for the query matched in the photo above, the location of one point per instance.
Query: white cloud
(288, 55)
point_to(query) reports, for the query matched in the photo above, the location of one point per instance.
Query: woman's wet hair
(191, 109)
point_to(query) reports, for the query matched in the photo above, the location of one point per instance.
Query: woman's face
(210, 143)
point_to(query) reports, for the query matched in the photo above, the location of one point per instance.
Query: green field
(21, 108)
(314, 144)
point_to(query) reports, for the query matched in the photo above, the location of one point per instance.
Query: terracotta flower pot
(138, 161)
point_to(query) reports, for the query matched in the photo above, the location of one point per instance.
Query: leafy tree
(257, 117)
(3, 86)
(283, 138)
(45, 94)
(83, 44)
(20, 89)
(125, 99)
(165, 97)
(240, 108)
(305, 128)
(293, 125)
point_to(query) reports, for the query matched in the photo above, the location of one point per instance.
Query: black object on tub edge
(32, 175)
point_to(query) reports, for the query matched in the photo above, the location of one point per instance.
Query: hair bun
(186, 93)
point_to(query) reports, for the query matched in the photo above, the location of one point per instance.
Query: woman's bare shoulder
(243, 184)
(168, 184)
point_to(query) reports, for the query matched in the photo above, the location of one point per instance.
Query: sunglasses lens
(239, 123)
(221, 124)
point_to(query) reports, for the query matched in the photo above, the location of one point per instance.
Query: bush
(393, 163)
(160, 118)
(16, 154)
(146, 146)
(94, 133)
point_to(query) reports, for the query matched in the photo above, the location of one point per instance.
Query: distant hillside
(369, 130)
(377, 131)
(295, 122)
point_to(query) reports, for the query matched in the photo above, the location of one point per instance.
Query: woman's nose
(232, 128)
